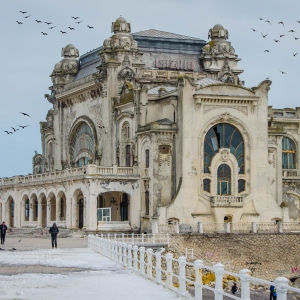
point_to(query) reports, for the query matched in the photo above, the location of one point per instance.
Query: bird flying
(294, 54)
(23, 12)
(260, 18)
(268, 22)
(14, 129)
(252, 29)
(63, 32)
(282, 72)
(24, 114)
(8, 132)
(44, 33)
(292, 30)
(38, 21)
(27, 17)
(48, 23)
(71, 28)
(75, 18)
(266, 51)
(52, 27)
(79, 22)
(90, 26)
(276, 41)
(23, 126)
(295, 38)
(282, 35)
(19, 22)
(264, 35)
(281, 23)
(298, 21)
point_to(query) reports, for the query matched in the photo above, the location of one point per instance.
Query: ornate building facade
(155, 127)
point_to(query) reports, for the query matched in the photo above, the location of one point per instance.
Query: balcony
(83, 172)
(290, 173)
(227, 201)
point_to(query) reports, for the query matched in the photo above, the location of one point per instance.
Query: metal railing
(227, 201)
(289, 173)
(178, 274)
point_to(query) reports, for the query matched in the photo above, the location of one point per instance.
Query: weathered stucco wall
(268, 256)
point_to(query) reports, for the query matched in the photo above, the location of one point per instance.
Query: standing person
(273, 293)
(234, 288)
(54, 231)
(3, 229)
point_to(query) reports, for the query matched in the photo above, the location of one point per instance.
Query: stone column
(40, 213)
(17, 216)
(48, 208)
(30, 211)
(73, 212)
(57, 206)
(68, 212)
(90, 218)
(22, 212)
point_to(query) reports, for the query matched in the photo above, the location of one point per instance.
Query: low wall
(268, 256)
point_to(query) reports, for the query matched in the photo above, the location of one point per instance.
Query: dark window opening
(206, 185)
(27, 208)
(224, 180)
(128, 155)
(62, 207)
(288, 154)
(147, 202)
(241, 184)
(147, 158)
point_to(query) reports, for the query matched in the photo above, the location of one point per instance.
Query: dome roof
(120, 25)
(218, 27)
(120, 20)
(69, 51)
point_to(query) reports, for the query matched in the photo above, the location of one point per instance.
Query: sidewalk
(69, 272)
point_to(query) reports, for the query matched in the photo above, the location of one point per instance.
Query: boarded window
(147, 158)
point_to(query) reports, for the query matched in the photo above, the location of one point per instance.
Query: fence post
(280, 227)
(158, 267)
(129, 265)
(149, 262)
(245, 284)
(169, 259)
(132, 238)
(200, 227)
(227, 227)
(198, 278)
(120, 252)
(135, 250)
(115, 236)
(219, 272)
(182, 278)
(124, 255)
(281, 284)
(253, 227)
(122, 237)
(142, 260)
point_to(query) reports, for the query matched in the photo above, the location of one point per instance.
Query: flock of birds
(292, 32)
(50, 23)
(14, 129)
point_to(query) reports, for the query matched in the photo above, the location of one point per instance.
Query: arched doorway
(113, 207)
(80, 213)
(52, 207)
(10, 210)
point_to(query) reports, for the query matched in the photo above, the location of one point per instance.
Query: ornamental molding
(242, 109)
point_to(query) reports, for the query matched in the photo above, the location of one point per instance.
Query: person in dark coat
(54, 232)
(273, 293)
(234, 289)
(3, 229)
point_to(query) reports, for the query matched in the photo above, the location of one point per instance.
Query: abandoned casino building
(153, 127)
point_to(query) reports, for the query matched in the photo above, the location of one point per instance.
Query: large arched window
(288, 154)
(224, 180)
(82, 145)
(223, 135)
(27, 208)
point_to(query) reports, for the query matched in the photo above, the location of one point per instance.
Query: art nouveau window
(288, 154)
(224, 180)
(82, 145)
(223, 135)
(241, 185)
(206, 185)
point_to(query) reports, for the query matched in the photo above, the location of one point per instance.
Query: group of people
(53, 231)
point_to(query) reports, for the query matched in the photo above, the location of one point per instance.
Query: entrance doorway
(81, 211)
(124, 207)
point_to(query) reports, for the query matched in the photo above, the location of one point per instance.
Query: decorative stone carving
(96, 110)
(126, 73)
(224, 155)
(208, 108)
(51, 98)
(226, 76)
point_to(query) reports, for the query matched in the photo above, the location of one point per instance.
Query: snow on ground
(106, 281)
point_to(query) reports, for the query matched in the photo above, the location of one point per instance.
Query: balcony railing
(290, 173)
(74, 172)
(236, 201)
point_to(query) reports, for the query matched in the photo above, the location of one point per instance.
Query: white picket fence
(164, 270)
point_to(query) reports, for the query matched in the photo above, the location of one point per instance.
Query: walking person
(234, 288)
(54, 232)
(3, 229)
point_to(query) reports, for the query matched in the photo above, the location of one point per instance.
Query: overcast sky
(28, 57)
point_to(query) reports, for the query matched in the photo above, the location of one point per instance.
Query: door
(224, 180)
(80, 217)
(124, 207)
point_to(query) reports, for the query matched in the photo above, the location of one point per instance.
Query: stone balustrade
(290, 173)
(85, 171)
(237, 201)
